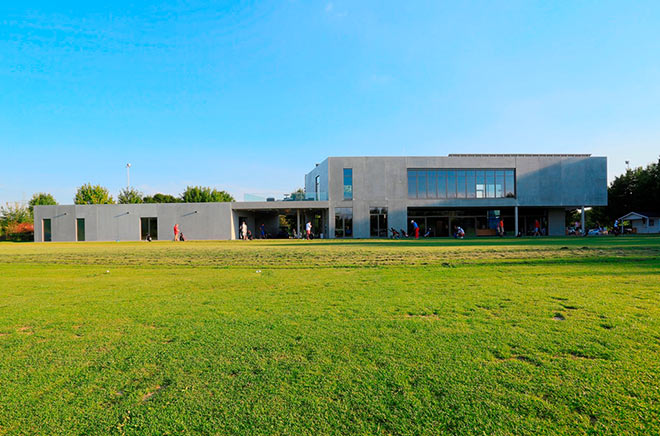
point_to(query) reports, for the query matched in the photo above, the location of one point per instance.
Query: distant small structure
(643, 222)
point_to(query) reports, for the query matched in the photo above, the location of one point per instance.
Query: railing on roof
(515, 155)
(297, 196)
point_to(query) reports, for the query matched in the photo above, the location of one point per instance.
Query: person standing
(500, 228)
(176, 232)
(244, 231)
(308, 229)
(262, 229)
(537, 228)
(415, 228)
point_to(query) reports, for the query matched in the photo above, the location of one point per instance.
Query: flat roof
(279, 205)
(515, 155)
(470, 155)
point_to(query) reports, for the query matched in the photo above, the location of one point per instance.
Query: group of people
(178, 234)
(246, 234)
(577, 230)
(459, 233)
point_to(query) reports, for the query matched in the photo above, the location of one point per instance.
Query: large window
(48, 236)
(80, 229)
(343, 222)
(412, 183)
(317, 188)
(378, 221)
(149, 227)
(461, 183)
(509, 184)
(348, 183)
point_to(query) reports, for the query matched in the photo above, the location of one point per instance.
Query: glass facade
(378, 222)
(461, 183)
(343, 222)
(348, 183)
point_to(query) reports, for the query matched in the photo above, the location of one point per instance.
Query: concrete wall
(320, 170)
(557, 222)
(121, 222)
(197, 221)
(63, 222)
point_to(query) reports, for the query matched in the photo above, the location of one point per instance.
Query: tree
(12, 214)
(298, 194)
(41, 199)
(161, 198)
(97, 194)
(204, 194)
(129, 196)
(637, 190)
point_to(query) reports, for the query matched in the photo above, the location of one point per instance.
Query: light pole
(128, 175)
(627, 165)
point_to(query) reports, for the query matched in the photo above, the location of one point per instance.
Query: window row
(471, 183)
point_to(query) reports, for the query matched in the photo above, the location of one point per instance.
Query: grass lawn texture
(479, 336)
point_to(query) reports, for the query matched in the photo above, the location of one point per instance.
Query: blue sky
(248, 96)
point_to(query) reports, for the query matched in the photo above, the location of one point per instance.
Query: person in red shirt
(176, 232)
(501, 228)
(416, 227)
(537, 228)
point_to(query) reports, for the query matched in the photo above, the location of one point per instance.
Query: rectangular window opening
(148, 228)
(378, 222)
(46, 230)
(343, 222)
(348, 183)
(80, 229)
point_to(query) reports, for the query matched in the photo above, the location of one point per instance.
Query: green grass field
(534, 336)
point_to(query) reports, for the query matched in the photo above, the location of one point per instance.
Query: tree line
(636, 190)
(16, 219)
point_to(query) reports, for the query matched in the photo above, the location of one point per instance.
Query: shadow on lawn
(636, 262)
(624, 242)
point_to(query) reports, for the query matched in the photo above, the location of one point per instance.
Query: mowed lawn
(482, 336)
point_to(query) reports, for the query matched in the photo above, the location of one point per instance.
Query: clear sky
(248, 96)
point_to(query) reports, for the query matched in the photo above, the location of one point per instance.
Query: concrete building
(363, 197)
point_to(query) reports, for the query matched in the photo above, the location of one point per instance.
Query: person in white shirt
(308, 228)
(244, 231)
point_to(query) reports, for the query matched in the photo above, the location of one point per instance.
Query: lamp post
(128, 175)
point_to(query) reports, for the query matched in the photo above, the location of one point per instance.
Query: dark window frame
(380, 215)
(343, 215)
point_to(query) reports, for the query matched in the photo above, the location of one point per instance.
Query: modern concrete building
(363, 197)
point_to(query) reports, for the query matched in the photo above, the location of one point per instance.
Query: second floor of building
(463, 180)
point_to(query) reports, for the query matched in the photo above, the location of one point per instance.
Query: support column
(331, 222)
(515, 213)
(298, 221)
(582, 221)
